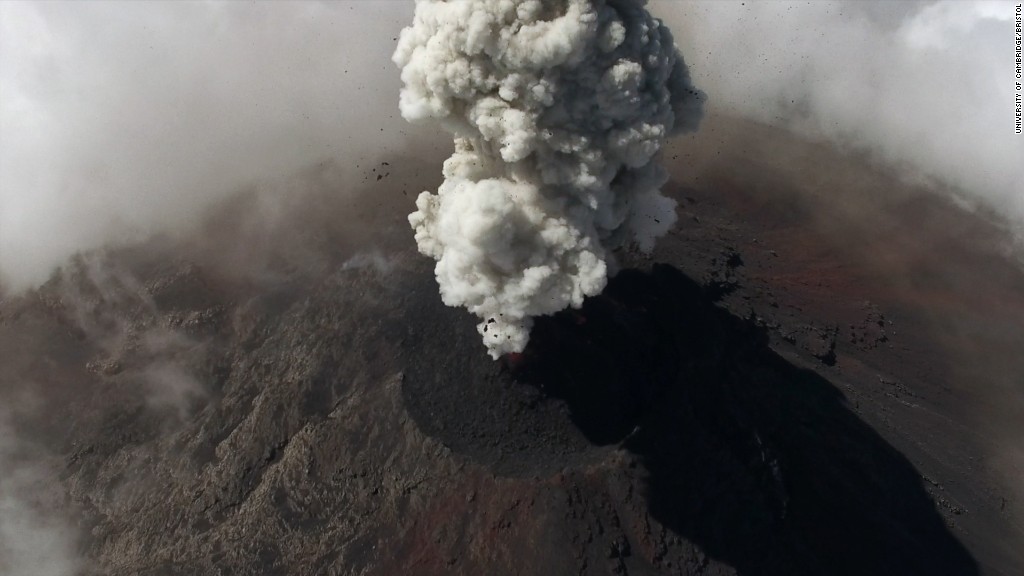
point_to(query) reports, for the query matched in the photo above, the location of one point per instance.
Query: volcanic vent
(731, 445)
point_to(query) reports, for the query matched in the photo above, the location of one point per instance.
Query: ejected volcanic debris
(558, 110)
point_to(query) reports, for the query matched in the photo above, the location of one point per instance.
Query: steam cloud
(923, 86)
(557, 109)
(123, 120)
(35, 537)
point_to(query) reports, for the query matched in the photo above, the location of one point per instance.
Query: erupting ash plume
(558, 109)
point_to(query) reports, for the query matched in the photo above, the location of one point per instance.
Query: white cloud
(925, 86)
(118, 120)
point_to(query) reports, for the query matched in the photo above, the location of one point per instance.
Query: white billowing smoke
(924, 85)
(558, 109)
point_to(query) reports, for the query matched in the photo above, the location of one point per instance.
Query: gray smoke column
(557, 109)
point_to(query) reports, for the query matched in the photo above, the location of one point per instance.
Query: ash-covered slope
(350, 425)
(319, 411)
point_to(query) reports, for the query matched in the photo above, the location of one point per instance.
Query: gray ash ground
(760, 397)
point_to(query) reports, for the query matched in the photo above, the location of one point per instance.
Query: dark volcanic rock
(742, 411)
(354, 425)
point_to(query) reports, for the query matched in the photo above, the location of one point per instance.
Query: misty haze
(521, 287)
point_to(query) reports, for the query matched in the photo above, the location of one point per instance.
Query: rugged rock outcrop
(328, 415)
(351, 425)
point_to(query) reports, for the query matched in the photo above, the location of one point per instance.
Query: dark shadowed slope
(759, 462)
(917, 304)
